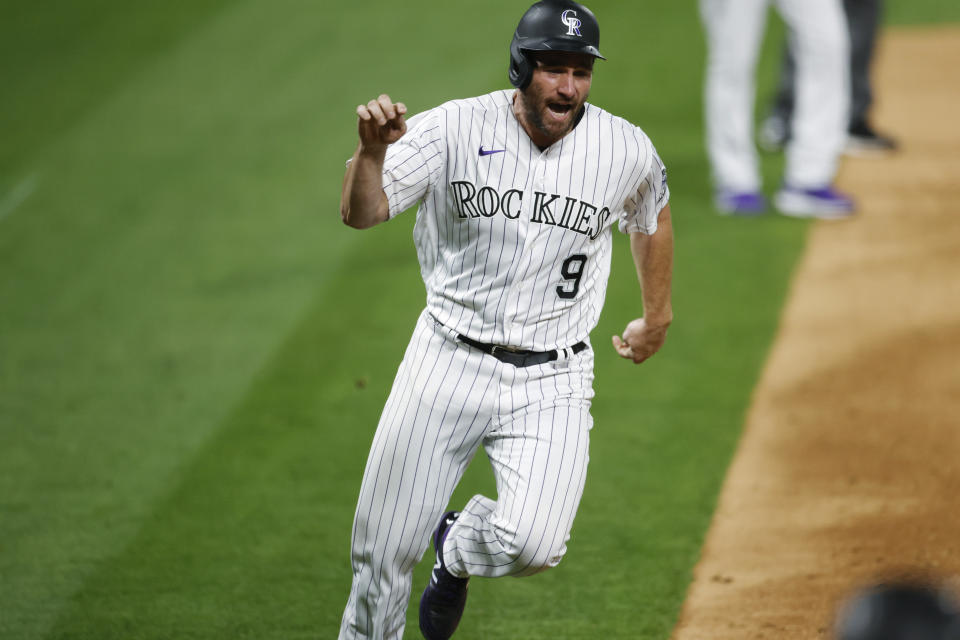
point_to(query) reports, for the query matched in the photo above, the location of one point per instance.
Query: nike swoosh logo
(484, 152)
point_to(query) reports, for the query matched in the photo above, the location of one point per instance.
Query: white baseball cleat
(825, 203)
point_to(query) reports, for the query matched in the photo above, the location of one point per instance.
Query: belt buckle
(511, 350)
(516, 357)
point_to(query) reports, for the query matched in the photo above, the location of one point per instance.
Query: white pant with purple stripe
(447, 400)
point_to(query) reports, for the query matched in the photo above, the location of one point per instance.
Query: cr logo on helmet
(569, 18)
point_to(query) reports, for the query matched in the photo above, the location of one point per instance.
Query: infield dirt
(848, 470)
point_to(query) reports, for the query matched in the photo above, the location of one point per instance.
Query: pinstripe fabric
(538, 446)
(514, 248)
(493, 231)
(446, 401)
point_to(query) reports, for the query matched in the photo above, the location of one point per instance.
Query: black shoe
(862, 139)
(774, 134)
(442, 602)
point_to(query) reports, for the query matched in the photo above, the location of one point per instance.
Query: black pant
(863, 22)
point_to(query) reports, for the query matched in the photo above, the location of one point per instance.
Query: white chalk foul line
(18, 195)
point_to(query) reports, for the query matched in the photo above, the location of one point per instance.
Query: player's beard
(537, 113)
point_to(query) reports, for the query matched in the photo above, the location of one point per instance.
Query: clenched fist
(381, 123)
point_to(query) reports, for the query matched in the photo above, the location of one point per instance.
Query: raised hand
(381, 122)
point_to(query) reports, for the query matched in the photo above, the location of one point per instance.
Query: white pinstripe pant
(447, 400)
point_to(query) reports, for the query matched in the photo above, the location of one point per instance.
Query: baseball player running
(518, 192)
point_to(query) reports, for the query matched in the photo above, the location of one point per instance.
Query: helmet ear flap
(521, 71)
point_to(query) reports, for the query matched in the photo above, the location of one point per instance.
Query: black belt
(520, 357)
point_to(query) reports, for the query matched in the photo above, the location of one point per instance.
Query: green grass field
(194, 350)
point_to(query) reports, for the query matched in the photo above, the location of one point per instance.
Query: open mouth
(559, 110)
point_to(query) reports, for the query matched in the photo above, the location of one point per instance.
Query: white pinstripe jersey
(514, 243)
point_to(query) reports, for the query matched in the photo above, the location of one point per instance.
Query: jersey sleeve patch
(643, 205)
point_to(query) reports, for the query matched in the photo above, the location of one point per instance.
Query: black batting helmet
(552, 25)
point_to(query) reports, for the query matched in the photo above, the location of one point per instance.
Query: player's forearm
(653, 256)
(362, 201)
